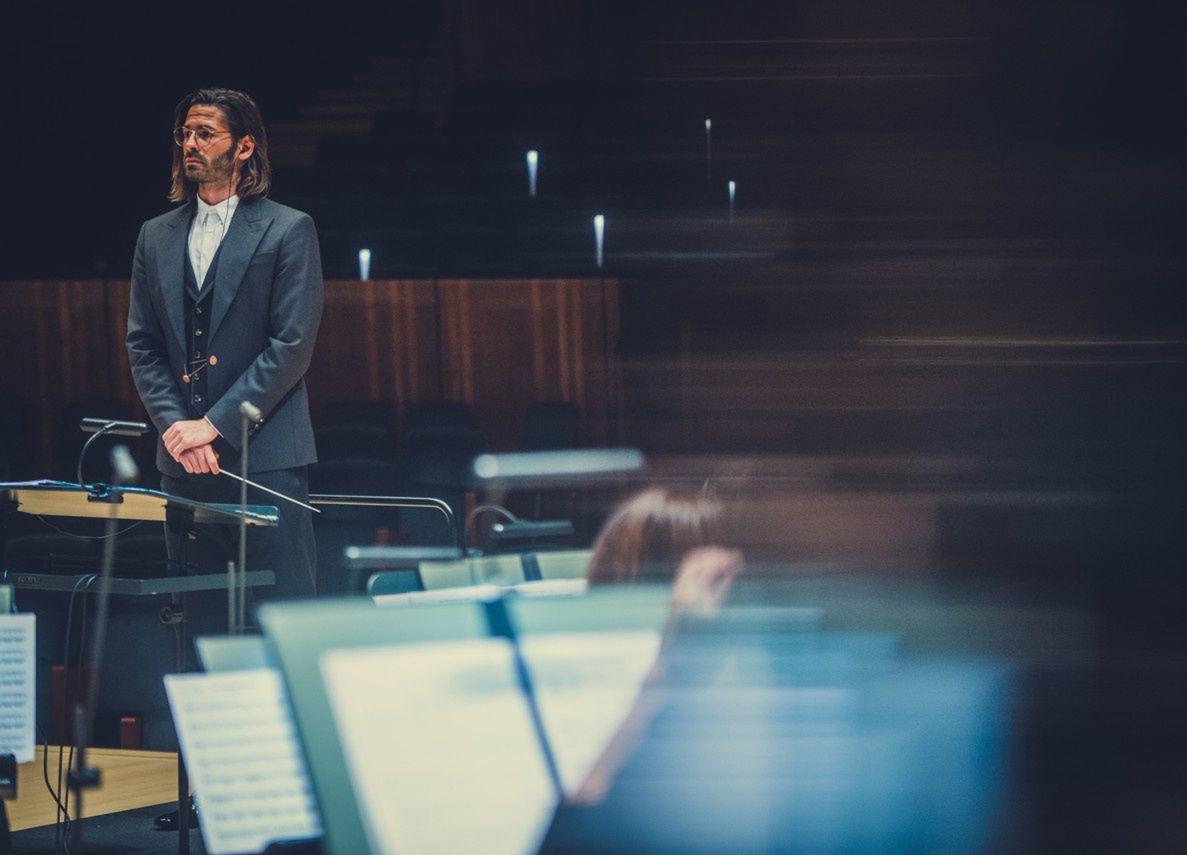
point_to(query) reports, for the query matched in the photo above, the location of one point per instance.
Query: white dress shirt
(207, 231)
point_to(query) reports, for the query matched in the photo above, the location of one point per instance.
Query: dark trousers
(287, 549)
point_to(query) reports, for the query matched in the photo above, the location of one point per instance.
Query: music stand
(103, 501)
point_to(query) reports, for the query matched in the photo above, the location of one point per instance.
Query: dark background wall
(89, 93)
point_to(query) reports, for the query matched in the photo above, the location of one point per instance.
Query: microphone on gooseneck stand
(251, 412)
(106, 427)
(251, 415)
(92, 425)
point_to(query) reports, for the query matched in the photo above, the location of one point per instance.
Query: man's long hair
(243, 119)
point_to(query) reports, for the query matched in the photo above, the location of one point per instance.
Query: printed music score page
(439, 742)
(244, 760)
(440, 747)
(586, 684)
(18, 663)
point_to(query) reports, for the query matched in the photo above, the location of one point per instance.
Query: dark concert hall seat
(353, 477)
(426, 415)
(14, 441)
(338, 527)
(438, 442)
(551, 425)
(354, 442)
(360, 413)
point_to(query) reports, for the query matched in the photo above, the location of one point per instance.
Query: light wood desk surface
(130, 779)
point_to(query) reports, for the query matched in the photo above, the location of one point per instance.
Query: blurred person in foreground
(760, 728)
(660, 535)
(648, 535)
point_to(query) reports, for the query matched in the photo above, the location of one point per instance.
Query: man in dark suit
(225, 305)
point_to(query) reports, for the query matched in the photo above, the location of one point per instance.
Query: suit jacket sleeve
(146, 351)
(294, 316)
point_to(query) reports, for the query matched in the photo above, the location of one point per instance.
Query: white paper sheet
(18, 665)
(440, 747)
(586, 683)
(243, 758)
(480, 593)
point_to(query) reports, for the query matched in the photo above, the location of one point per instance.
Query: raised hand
(703, 579)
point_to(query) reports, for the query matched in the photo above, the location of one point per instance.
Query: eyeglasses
(202, 136)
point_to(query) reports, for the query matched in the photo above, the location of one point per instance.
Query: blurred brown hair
(647, 536)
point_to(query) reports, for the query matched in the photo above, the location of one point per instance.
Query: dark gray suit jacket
(264, 319)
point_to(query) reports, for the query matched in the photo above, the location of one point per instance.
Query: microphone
(251, 412)
(123, 468)
(237, 589)
(103, 427)
(91, 425)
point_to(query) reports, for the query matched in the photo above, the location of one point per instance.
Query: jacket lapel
(243, 236)
(173, 254)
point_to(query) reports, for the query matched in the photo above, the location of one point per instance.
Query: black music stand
(102, 501)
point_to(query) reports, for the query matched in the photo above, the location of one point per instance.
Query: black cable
(58, 843)
(66, 685)
(84, 714)
(65, 826)
(82, 646)
(63, 809)
(88, 536)
(45, 770)
(70, 758)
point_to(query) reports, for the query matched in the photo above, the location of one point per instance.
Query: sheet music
(440, 747)
(552, 588)
(461, 594)
(586, 683)
(244, 760)
(40, 482)
(479, 593)
(222, 653)
(18, 664)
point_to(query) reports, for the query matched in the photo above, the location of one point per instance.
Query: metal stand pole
(176, 616)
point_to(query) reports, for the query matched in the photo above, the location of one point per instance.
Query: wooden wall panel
(378, 341)
(121, 386)
(499, 345)
(507, 343)
(58, 347)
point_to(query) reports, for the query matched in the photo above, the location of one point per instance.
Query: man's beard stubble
(216, 172)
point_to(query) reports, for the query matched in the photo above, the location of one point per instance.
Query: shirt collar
(223, 210)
